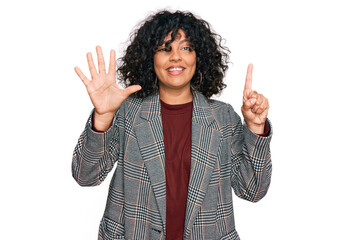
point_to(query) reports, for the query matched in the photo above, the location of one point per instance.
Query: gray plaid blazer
(225, 154)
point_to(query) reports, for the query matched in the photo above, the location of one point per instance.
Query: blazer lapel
(205, 141)
(150, 139)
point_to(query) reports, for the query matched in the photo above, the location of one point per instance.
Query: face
(175, 65)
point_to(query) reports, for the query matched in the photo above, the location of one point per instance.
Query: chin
(176, 85)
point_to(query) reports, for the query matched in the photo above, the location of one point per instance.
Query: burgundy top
(176, 123)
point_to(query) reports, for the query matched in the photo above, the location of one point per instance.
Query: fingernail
(253, 100)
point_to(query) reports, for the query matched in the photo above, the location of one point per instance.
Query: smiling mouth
(175, 69)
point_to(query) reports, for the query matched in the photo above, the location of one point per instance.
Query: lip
(175, 72)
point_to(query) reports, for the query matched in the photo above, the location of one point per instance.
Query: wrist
(102, 122)
(256, 128)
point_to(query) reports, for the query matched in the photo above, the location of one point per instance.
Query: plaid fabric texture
(225, 155)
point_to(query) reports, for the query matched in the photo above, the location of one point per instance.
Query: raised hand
(255, 105)
(103, 90)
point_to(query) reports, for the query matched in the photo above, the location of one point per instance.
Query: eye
(188, 48)
(164, 49)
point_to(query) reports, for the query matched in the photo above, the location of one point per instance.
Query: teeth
(174, 69)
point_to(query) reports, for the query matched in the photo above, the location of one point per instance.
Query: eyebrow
(180, 42)
(185, 40)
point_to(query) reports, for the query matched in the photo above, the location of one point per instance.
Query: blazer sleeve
(251, 166)
(96, 152)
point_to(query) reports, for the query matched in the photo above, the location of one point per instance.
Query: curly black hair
(212, 57)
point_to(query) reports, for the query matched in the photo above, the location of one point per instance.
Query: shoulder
(225, 116)
(223, 111)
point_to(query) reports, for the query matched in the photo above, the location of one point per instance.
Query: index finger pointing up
(248, 80)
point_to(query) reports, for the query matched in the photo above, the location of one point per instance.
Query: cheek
(191, 60)
(157, 64)
(158, 59)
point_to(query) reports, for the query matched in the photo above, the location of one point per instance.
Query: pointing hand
(255, 105)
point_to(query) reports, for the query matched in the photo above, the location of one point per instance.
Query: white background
(307, 58)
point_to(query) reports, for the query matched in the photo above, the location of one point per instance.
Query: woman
(179, 153)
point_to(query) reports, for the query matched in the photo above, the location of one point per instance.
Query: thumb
(132, 89)
(249, 103)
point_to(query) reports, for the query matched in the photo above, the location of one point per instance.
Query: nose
(175, 55)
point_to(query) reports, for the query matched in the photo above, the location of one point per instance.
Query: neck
(171, 96)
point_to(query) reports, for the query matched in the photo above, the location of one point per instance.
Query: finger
(256, 106)
(259, 98)
(112, 63)
(262, 110)
(263, 106)
(262, 101)
(248, 80)
(131, 89)
(91, 66)
(101, 64)
(249, 103)
(251, 94)
(264, 114)
(257, 109)
(82, 77)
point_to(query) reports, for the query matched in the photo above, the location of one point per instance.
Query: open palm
(103, 90)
